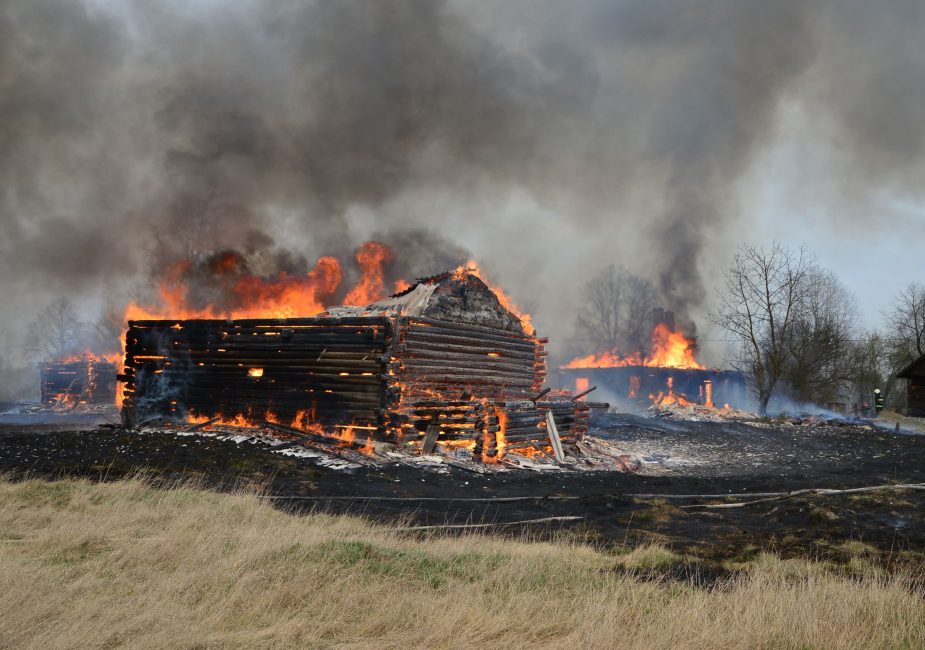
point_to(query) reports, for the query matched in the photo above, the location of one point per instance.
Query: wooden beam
(430, 439)
(554, 437)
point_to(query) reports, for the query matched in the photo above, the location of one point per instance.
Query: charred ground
(679, 458)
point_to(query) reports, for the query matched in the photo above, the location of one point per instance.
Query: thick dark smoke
(548, 138)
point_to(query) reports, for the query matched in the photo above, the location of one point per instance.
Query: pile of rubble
(687, 410)
(682, 409)
(343, 453)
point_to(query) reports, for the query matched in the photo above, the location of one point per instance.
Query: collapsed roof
(457, 296)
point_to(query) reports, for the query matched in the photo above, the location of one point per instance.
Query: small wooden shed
(915, 374)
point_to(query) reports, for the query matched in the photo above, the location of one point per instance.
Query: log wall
(89, 382)
(396, 375)
(332, 368)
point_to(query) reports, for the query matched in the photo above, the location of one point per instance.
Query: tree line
(792, 327)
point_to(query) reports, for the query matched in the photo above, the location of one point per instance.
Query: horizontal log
(476, 356)
(447, 324)
(283, 323)
(244, 401)
(421, 346)
(425, 403)
(230, 412)
(326, 401)
(307, 398)
(270, 378)
(413, 368)
(255, 362)
(436, 335)
(484, 365)
(344, 340)
(312, 351)
(470, 379)
(354, 345)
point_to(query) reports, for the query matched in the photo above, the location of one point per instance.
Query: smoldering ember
(448, 323)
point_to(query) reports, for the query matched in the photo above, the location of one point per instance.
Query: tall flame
(251, 296)
(90, 356)
(670, 349)
(371, 257)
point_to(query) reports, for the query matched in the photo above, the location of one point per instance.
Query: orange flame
(87, 355)
(670, 349)
(371, 257)
(238, 420)
(634, 387)
(708, 390)
(285, 296)
(501, 435)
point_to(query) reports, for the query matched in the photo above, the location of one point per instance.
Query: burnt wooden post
(554, 437)
(430, 439)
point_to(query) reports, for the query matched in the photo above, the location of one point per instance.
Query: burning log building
(671, 374)
(443, 362)
(73, 381)
(641, 386)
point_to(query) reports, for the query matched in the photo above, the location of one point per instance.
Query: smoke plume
(548, 139)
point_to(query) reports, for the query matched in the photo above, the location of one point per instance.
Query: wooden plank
(430, 439)
(554, 437)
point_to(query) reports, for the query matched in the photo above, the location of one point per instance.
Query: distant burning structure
(70, 382)
(669, 374)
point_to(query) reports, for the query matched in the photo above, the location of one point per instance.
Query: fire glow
(670, 349)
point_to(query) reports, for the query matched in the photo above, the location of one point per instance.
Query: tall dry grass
(124, 565)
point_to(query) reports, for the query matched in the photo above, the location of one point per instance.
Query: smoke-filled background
(546, 139)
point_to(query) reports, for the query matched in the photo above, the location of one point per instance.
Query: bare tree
(906, 322)
(759, 305)
(870, 367)
(56, 331)
(819, 346)
(616, 313)
(905, 336)
(106, 332)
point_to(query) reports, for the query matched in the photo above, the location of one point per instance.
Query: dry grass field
(122, 564)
